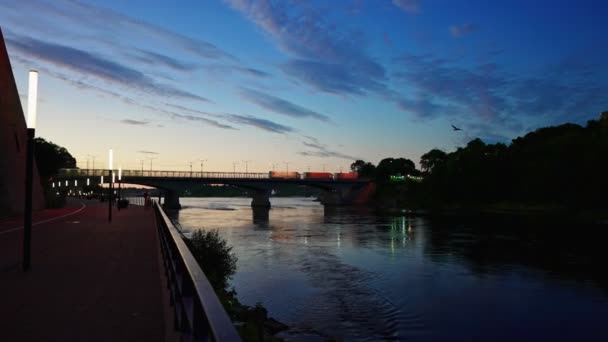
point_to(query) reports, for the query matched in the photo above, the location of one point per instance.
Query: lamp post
(119, 186)
(202, 164)
(110, 181)
(92, 157)
(234, 167)
(246, 165)
(151, 159)
(32, 101)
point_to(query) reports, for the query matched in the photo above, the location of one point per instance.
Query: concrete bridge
(259, 185)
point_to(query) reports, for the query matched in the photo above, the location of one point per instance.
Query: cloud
(321, 150)
(451, 89)
(410, 6)
(322, 56)
(148, 152)
(185, 117)
(332, 78)
(260, 123)
(82, 20)
(134, 122)
(421, 106)
(154, 58)
(458, 31)
(89, 64)
(222, 69)
(280, 106)
(491, 101)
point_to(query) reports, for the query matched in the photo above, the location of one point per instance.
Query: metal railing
(198, 313)
(161, 174)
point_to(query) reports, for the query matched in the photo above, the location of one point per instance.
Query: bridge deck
(90, 280)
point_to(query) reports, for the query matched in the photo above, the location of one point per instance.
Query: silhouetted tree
(50, 158)
(364, 169)
(431, 159)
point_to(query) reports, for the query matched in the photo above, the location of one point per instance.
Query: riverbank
(524, 210)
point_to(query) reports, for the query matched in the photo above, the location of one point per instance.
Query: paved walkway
(90, 280)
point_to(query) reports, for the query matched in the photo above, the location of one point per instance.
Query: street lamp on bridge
(202, 164)
(246, 165)
(150, 159)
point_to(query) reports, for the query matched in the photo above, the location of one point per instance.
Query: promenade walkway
(90, 280)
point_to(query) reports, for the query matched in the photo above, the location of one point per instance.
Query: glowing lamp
(32, 99)
(111, 159)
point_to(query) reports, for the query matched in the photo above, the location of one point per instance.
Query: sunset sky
(310, 83)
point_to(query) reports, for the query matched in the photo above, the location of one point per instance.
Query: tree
(431, 159)
(50, 158)
(364, 169)
(214, 256)
(390, 166)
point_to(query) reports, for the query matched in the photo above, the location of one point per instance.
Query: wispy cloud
(155, 58)
(260, 123)
(489, 99)
(280, 106)
(317, 149)
(90, 64)
(410, 6)
(324, 57)
(135, 122)
(148, 152)
(226, 69)
(458, 31)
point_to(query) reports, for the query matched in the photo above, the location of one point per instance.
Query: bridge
(258, 185)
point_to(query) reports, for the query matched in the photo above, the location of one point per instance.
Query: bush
(214, 256)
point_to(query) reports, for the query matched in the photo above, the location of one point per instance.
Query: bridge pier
(347, 195)
(260, 198)
(171, 199)
(331, 198)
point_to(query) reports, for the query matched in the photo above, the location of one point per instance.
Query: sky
(301, 85)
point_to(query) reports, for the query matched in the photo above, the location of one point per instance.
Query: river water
(352, 274)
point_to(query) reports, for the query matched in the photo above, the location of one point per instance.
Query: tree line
(563, 165)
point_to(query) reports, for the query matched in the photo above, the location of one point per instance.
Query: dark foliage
(214, 256)
(50, 158)
(566, 165)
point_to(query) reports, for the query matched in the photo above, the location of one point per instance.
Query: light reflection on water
(348, 273)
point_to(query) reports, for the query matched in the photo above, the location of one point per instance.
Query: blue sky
(315, 84)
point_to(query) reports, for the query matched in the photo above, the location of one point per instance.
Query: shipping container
(284, 175)
(347, 175)
(318, 175)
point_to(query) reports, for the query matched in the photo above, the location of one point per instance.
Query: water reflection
(261, 217)
(352, 274)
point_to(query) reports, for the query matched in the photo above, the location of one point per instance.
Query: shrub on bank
(219, 264)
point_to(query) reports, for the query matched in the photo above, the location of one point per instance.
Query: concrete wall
(13, 139)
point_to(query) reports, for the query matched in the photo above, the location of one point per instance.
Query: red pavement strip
(91, 280)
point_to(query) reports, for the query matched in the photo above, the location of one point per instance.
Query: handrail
(198, 312)
(163, 174)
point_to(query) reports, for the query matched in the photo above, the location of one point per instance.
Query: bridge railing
(162, 174)
(198, 313)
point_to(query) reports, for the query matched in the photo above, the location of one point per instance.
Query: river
(352, 274)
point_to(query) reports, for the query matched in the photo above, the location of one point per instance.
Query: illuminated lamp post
(110, 181)
(32, 101)
(119, 187)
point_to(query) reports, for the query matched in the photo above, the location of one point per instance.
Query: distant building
(13, 139)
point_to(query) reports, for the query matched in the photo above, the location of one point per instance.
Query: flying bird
(456, 128)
